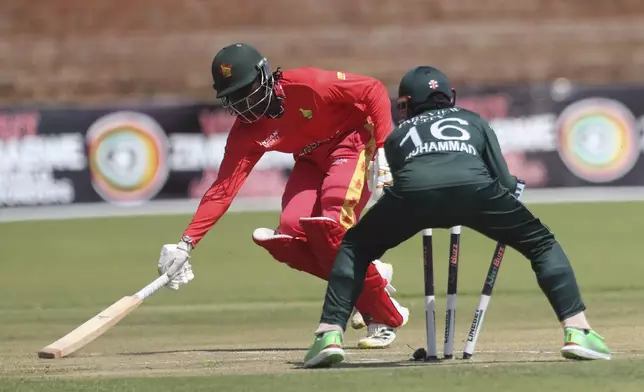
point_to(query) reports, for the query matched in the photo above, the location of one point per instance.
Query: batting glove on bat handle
(182, 255)
(173, 258)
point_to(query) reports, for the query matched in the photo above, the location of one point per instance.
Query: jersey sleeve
(493, 158)
(358, 89)
(239, 160)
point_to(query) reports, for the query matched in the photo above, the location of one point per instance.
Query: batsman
(448, 170)
(334, 124)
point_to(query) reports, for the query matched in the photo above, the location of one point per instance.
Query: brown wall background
(111, 49)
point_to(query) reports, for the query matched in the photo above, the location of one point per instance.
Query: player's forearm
(215, 202)
(213, 205)
(505, 178)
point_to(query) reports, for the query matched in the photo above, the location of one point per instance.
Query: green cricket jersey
(445, 147)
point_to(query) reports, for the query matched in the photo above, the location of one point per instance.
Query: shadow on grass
(377, 364)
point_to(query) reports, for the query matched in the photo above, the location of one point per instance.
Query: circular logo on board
(598, 139)
(127, 154)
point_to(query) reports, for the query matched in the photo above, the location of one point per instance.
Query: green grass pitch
(245, 322)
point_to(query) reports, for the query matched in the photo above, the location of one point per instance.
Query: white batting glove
(379, 174)
(175, 261)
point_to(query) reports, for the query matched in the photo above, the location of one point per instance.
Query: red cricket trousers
(330, 181)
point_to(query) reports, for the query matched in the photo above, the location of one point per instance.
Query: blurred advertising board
(558, 135)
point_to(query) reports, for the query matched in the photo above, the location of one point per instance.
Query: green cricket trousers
(487, 208)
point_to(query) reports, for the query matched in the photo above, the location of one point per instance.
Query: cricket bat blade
(91, 329)
(99, 324)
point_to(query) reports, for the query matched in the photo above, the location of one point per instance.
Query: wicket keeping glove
(175, 261)
(379, 174)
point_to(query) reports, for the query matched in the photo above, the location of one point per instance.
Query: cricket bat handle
(153, 287)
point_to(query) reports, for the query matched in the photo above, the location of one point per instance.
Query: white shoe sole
(369, 346)
(584, 353)
(367, 343)
(373, 341)
(326, 358)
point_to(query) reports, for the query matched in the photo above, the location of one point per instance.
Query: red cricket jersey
(319, 105)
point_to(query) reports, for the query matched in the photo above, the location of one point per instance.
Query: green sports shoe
(584, 344)
(325, 351)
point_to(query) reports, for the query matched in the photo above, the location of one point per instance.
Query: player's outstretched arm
(239, 160)
(233, 172)
(493, 158)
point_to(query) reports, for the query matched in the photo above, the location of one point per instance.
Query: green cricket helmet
(424, 88)
(244, 83)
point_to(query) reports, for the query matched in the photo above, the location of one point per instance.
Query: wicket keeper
(335, 125)
(448, 170)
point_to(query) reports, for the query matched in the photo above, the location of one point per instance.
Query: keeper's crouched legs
(503, 218)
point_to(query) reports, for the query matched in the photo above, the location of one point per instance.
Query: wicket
(431, 354)
(430, 298)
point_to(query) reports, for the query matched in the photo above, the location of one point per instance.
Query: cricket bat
(102, 322)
